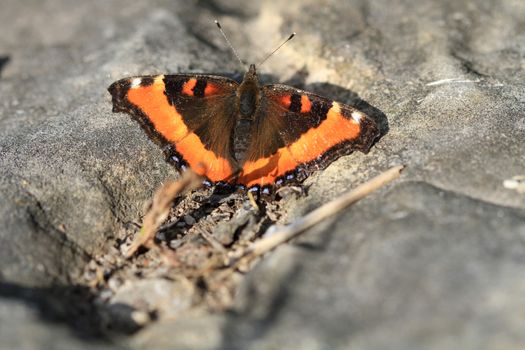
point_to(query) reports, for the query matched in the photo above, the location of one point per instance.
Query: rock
(165, 298)
(23, 328)
(401, 279)
(432, 261)
(189, 220)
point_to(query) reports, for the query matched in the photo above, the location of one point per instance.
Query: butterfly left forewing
(190, 116)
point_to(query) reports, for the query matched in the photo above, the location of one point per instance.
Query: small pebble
(141, 318)
(516, 183)
(189, 220)
(114, 283)
(103, 296)
(174, 244)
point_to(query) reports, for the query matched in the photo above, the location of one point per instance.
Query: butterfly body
(243, 135)
(248, 94)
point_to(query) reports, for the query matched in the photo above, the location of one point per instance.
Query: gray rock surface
(435, 261)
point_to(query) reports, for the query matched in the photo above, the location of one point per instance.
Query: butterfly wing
(190, 116)
(296, 132)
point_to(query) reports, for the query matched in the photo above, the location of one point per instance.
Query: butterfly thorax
(248, 94)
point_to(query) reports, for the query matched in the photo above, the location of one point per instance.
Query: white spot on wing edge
(135, 83)
(336, 108)
(357, 116)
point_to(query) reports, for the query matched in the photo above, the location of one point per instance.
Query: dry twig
(212, 241)
(252, 200)
(160, 208)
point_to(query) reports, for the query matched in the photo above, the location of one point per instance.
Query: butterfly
(242, 135)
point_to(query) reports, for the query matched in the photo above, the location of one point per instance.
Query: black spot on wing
(295, 103)
(198, 89)
(173, 88)
(320, 110)
(146, 81)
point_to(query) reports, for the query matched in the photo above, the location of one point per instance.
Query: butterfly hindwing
(296, 132)
(191, 117)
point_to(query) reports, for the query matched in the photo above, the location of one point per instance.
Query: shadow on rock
(337, 93)
(352, 99)
(4, 60)
(74, 307)
(230, 8)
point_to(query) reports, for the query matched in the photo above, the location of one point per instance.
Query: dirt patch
(180, 272)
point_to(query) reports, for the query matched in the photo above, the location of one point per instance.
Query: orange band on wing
(202, 161)
(306, 105)
(332, 131)
(265, 171)
(315, 142)
(169, 123)
(286, 101)
(210, 89)
(164, 117)
(188, 87)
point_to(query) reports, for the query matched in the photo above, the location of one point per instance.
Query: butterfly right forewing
(296, 132)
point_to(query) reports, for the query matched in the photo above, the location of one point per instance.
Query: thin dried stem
(212, 241)
(252, 200)
(160, 208)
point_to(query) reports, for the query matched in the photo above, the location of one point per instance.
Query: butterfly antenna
(278, 47)
(229, 43)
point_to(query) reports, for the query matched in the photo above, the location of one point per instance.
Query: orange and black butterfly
(242, 134)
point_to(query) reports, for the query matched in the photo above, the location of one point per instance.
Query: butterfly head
(251, 74)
